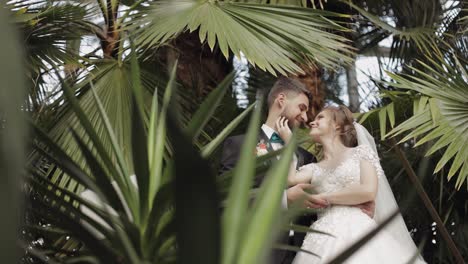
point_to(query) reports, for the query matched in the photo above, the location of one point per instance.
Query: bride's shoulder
(362, 146)
(309, 166)
(365, 151)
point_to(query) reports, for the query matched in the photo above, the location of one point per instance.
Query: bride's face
(322, 126)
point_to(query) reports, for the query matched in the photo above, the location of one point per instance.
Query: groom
(287, 98)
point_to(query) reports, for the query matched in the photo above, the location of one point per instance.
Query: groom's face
(295, 109)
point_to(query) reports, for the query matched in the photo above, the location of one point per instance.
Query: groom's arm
(229, 158)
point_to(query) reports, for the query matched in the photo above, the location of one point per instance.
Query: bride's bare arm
(355, 194)
(297, 177)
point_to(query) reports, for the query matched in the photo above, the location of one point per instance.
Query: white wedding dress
(348, 224)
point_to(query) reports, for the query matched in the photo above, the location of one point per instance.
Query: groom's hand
(368, 208)
(299, 193)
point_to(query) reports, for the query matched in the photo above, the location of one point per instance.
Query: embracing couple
(350, 188)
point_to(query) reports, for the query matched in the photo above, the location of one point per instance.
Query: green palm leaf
(196, 216)
(47, 27)
(209, 148)
(265, 213)
(13, 135)
(138, 222)
(238, 199)
(411, 34)
(443, 115)
(463, 21)
(204, 113)
(50, 32)
(112, 85)
(274, 38)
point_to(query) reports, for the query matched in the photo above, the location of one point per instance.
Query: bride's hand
(323, 198)
(300, 193)
(283, 129)
(368, 208)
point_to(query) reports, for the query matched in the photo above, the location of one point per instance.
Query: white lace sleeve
(309, 169)
(364, 152)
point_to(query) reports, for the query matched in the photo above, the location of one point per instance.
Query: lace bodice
(343, 225)
(346, 173)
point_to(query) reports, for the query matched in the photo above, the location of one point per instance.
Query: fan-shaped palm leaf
(275, 38)
(443, 115)
(112, 84)
(46, 28)
(303, 3)
(50, 29)
(115, 220)
(418, 35)
(463, 21)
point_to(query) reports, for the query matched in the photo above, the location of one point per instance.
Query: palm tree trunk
(353, 92)
(198, 67)
(111, 35)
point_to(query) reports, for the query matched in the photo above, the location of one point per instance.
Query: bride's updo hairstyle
(344, 119)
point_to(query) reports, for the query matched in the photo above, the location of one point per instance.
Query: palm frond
(262, 216)
(111, 81)
(46, 28)
(415, 36)
(412, 35)
(274, 38)
(463, 20)
(237, 201)
(443, 115)
(301, 3)
(50, 29)
(127, 213)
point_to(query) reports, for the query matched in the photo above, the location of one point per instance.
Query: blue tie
(275, 138)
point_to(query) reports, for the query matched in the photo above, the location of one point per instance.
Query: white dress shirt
(269, 132)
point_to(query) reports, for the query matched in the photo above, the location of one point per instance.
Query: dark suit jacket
(229, 158)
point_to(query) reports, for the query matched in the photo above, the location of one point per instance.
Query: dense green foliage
(111, 93)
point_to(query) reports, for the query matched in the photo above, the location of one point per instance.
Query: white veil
(385, 203)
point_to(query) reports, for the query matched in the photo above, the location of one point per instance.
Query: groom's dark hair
(287, 85)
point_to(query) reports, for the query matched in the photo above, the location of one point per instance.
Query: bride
(349, 174)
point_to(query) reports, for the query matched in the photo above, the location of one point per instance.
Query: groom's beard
(294, 123)
(291, 122)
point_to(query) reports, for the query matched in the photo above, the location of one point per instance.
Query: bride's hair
(343, 117)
